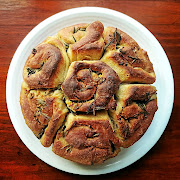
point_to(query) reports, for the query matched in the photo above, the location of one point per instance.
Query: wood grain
(17, 18)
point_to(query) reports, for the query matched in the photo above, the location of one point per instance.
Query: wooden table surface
(18, 17)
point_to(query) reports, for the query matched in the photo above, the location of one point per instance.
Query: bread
(87, 91)
(47, 65)
(136, 106)
(126, 58)
(90, 86)
(83, 41)
(44, 112)
(87, 139)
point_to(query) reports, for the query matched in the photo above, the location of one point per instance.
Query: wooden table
(17, 18)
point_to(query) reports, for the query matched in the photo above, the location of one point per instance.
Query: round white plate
(164, 84)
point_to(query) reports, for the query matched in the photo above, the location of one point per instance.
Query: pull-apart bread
(87, 92)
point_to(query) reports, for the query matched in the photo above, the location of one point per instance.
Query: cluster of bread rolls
(87, 92)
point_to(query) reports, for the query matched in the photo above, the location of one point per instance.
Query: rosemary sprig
(82, 29)
(66, 46)
(74, 38)
(34, 51)
(117, 39)
(30, 71)
(68, 148)
(142, 105)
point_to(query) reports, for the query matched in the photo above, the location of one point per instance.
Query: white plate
(164, 84)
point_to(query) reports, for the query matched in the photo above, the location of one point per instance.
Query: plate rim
(77, 11)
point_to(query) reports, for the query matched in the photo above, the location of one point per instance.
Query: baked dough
(87, 91)
(47, 65)
(125, 56)
(87, 139)
(83, 41)
(136, 106)
(90, 86)
(44, 112)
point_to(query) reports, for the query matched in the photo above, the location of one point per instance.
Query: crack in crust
(86, 91)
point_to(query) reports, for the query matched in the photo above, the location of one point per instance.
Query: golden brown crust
(47, 65)
(124, 55)
(87, 139)
(44, 112)
(83, 41)
(31, 121)
(90, 86)
(136, 105)
(104, 114)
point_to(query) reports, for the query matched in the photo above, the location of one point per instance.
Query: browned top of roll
(47, 65)
(87, 139)
(91, 80)
(94, 32)
(40, 67)
(126, 57)
(83, 41)
(44, 111)
(136, 105)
